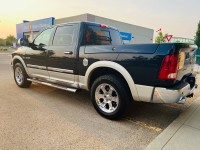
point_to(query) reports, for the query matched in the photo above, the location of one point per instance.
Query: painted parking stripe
(5, 53)
(144, 125)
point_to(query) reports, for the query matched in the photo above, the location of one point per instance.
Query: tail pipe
(182, 100)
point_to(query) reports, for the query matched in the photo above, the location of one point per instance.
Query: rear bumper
(163, 95)
(173, 95)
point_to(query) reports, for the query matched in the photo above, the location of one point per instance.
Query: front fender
(17, 57)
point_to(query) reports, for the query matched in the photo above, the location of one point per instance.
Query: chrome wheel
(106, 98)
(19, 75)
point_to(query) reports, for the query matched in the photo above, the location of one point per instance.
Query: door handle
(113, 48)
(68, 52)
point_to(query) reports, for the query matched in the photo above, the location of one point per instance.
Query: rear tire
(109, 96)
(21, 76)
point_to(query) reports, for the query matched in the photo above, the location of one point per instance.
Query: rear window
(102, 36)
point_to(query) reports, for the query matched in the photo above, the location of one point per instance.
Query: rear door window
(63, 36)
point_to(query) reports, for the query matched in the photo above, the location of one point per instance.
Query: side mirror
(23, 42)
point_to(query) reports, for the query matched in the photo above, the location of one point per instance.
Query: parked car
(91, 56)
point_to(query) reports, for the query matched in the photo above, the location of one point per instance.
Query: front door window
(43, 39)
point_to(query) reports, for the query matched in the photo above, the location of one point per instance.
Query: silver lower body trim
(144, 92)
(53, 85)
(60, 70)
(36, 66)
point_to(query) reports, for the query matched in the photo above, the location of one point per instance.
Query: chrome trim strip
(56, 81)
(36, 66)
(39, 76)
(53, 85)
(60, 70)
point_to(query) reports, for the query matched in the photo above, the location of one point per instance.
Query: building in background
(131, 34)
(29, 29)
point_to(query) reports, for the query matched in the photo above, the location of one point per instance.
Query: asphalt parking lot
(42, 117)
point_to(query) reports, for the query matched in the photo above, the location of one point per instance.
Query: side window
(63, 36)
(43, 38)
(116, 37)
(96, 36)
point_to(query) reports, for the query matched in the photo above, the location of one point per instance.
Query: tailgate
(186, 59)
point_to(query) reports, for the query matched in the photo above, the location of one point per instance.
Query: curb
(162, 139)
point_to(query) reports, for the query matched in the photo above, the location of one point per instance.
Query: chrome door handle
(113, 48)
(68, 52)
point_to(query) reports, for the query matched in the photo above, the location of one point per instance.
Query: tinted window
(116, 37)
(96, 36)
(43, 38)
(102, 36)
(64, 36)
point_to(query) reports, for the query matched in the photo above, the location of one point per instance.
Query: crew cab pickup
(91, 56)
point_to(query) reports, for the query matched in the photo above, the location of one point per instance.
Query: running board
(53, 85)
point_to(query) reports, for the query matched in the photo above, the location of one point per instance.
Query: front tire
(21, 76)
(109, 96)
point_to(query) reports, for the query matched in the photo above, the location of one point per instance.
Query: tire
(109, 96)
(21, 76)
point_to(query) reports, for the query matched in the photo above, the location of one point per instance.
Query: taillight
(169, 67)
(103, 25)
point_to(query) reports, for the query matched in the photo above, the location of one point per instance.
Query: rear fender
(118, 68)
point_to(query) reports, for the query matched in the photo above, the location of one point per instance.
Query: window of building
(64, 36)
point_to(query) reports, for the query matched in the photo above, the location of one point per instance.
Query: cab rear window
(102, 36)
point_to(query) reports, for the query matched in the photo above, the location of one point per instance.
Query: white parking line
(8, 54)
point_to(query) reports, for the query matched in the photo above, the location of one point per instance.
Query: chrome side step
(53, 85)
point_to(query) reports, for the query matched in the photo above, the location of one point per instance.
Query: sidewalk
(196, 68)
(181, 134)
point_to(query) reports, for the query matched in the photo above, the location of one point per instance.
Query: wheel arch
(112, 67)
(17, 59)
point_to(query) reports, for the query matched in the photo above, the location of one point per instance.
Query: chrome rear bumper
(164, 95)
(177, 94)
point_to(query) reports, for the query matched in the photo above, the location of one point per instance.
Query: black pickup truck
(90, 56)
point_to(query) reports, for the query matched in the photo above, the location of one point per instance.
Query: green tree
(197, 37)
(10, 39)
(160, 38)
(2, 42)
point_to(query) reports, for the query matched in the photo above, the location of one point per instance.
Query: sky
(176, 17)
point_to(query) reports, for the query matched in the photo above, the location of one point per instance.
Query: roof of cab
(85, 22)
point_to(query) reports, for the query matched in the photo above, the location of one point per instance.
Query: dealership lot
(42, 117)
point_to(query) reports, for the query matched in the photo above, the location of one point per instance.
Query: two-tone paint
(138, 64)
